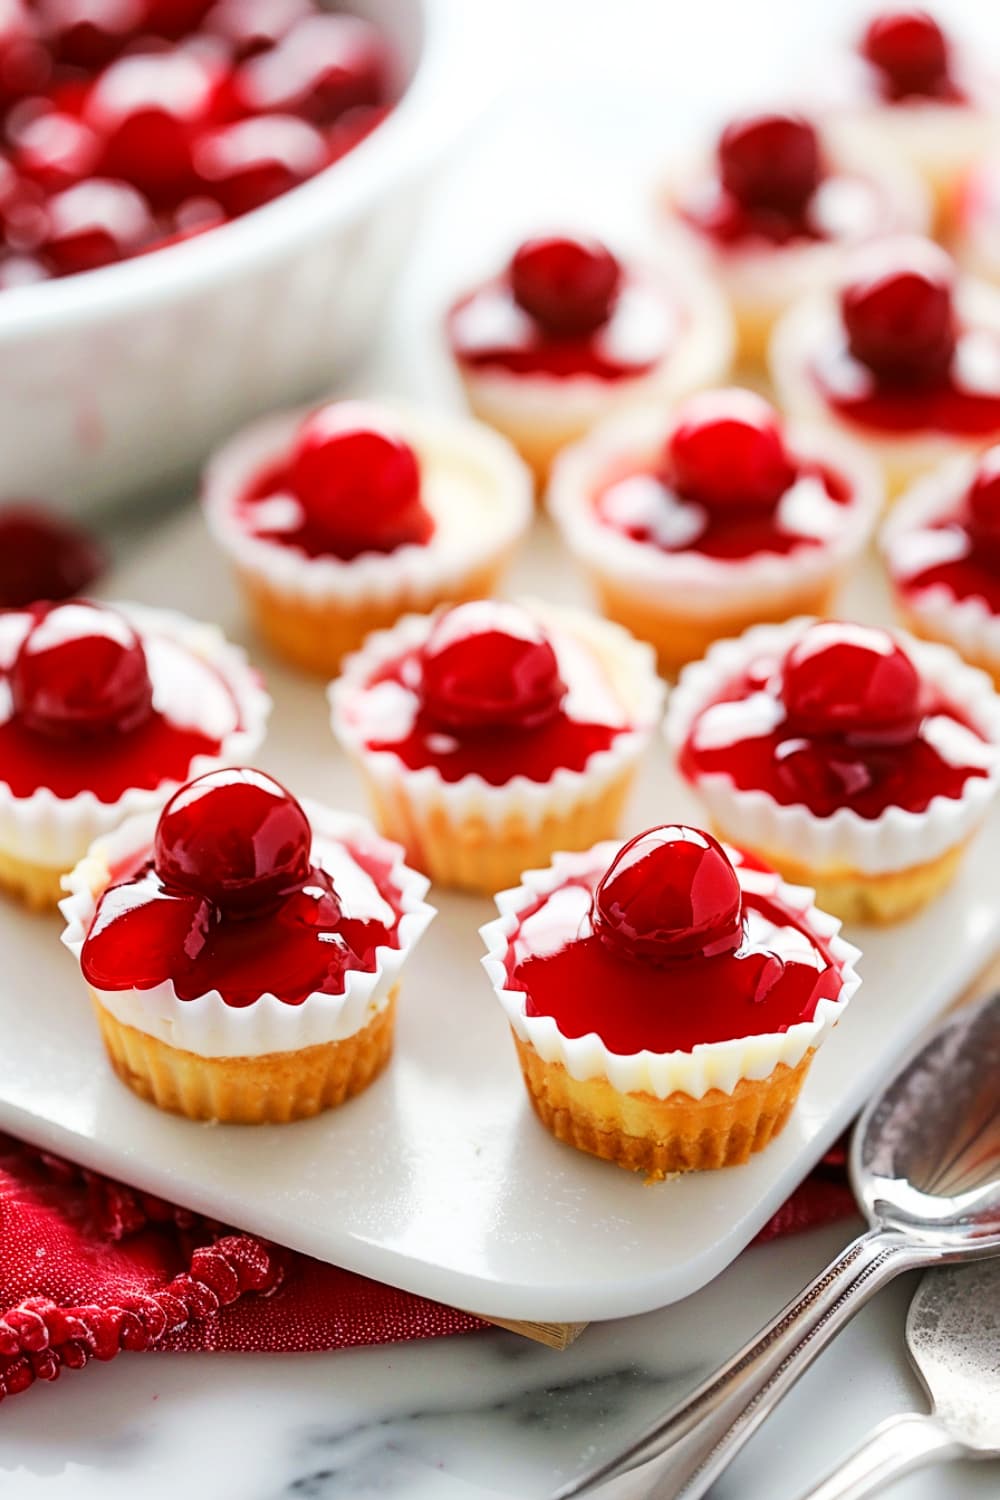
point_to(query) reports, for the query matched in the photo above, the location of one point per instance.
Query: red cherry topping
(80, 671)
(247, 164)
(851, 680)
(235, 837)
(568, 285)
(149, 108)
(323, 66)
(358, 481)
(898, 310)
(983, 500)
(94, 224)
(670, 894)
(251, 26)
(152, 936)
(488, 666)
(43, 557)
(770, 161)
(909, 48)
(726, 452)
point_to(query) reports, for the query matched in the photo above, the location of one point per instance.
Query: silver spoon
(925, 1164)
(953, 1335)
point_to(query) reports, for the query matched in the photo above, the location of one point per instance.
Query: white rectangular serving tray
(439, 1179)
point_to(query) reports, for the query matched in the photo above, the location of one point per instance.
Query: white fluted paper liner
(709, 1065)
(897, 839)
(477, 489)
(629, 664)
(813, 326)
(55, 832)
(761, 278)
(690, 581)
(540, 403)
(968, 624)
(207, 1026)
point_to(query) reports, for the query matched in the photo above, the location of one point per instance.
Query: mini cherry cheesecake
(905, 355)
(666, 997)
(105, 712)
(696, 523)
(243, 950)
(909, 85)
(490, 734)
(567, 333)
(340, 519)
(857, 760)
(942, 552)
(770, 213)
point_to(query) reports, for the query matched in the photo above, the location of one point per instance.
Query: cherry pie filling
(86, 705)
(725, 486)
(238, 895)
(129, 124)
(771, 185)
(485, 696)
(904, 362)
(960, 549)
(841, 720)
(677, 944)
(565, 307)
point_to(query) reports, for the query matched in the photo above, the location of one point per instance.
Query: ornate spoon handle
(893, 1449)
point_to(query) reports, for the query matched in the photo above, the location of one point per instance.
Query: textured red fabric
(89, 1267)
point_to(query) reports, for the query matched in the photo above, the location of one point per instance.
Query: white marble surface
(491, 1415)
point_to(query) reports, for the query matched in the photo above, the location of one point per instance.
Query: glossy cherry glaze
(43, 556)
(234, 897)
(708, 961)
(564, 306)
(909, 55)
(92, 708)
(351, 485)
(842, 721)
(960, 548)
(168, 105)
(484, 696)
(720, 487)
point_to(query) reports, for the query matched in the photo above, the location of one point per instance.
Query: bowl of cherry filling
(856, 760)
(942, 552)
(904, 356)
(104, 712)
(567, 332)
(769, 212)
(695, 522)
(243, 950)
(666, 997)
(490, 734)
(207, 198)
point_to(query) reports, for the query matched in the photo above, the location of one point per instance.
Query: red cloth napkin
(89, 1267)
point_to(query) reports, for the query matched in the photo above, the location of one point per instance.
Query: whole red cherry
(358, 481)
(670, 894)
(236, 837)
(246, 164)
(323, 66)
(252, 26)
(52, 148)
(94, 224)
(898, 310)
(770, 161)
(88, 33)
(488, 666)
(983, 500)
(851, 680)
(910, 51)
(25, 62)
(43, 556)
(726, 452)
(81, 671)
(567, 283)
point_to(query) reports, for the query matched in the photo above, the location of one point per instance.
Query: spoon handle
(893, 1449)
(697, 1440)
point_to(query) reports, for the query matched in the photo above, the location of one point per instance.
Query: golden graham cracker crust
(318, 636)
(271, 1089)
(476, 855)
(879, 899)
(38, 886)
(679, 639)
(660, 1136)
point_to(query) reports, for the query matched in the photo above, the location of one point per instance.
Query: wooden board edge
(552, 1335)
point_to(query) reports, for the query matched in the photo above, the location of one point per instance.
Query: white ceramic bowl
(116, 381)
